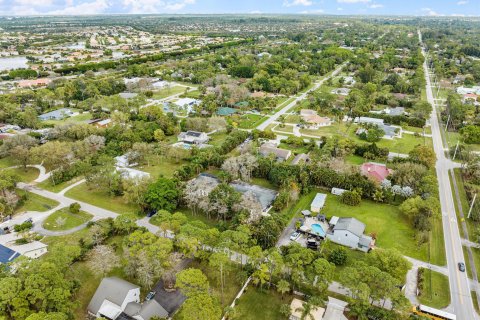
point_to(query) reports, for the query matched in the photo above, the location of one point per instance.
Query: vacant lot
(251, 121)
(27, 174)
(34, 202)
(255, 302)
(436, 292)
(100, 199)
(63, 219)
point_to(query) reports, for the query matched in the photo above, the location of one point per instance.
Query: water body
(10, 63)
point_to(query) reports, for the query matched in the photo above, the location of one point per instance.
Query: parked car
(461, 266)
(294, 236)
(151, 213)
(150, 295)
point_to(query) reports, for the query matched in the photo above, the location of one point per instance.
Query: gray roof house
(59, 114)
(117, 299)
(112, 297)
(281, 154)
(193, 137)
(349, 232)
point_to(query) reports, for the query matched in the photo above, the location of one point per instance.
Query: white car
(294, 236)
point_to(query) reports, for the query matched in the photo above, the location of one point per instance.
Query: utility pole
(456, 148)
(448, 120)
(471, 206)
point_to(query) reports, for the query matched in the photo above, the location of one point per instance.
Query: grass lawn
(302, 204)
(436, 292)
(100, 199)
(356, 160)
(476, 260)
(82, 117)
(255, 302)
(251, 121)
(454, 137)
(286, 128)
(47, 184)
(163, 93)
(292, 118)
(34, 202)
(70, 220)
(162, 167)
(471, 225)
(27, 174)
(428, 130)
(393, 230)
(7, 162)
(404, 144)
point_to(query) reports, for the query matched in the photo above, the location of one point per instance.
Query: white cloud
(94, 7)
(430, 12)
(339, 9)
(293, 3)
(462, 2)
(375, 6)
(354, 1)
(155, 6)
(256, 12)
(318, 11)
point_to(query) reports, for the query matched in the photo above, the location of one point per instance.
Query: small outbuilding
(318, 202)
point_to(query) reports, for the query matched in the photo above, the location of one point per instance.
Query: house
(335, 309)
(301, 158)
(349, 80)
(397, 111)
(32, 250)
(313, 120)
(281, 154)
(99, 123)
(337, 191)
(147, 311)
(7, 255)
(161, 84)
(34, 83)
(390, 132)
(318, 202)
(349, 232)
(464, 90)
(469, 97)
(226, 111)
(187, 103)
(375, 171)
(128, 95)
(193, 137)
(296, 307)
(59, 114)
(341, 91)
(112, 297)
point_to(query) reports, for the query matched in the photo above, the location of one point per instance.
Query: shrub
(27, 225)
(351, 198)
(338, 256)
(74, 208)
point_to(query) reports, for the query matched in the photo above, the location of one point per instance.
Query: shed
(318, 202)
(334, 220)
(338, 191)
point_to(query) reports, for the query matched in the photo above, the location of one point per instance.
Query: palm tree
(283, 286)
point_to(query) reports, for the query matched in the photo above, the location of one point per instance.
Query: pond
(10, 63)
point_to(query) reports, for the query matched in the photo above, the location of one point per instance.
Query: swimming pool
(318, 230)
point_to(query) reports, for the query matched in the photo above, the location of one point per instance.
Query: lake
(10, 63)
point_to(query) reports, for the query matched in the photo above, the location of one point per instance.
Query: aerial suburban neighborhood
(207, 160)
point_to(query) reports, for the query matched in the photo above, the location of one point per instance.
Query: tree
(261, 276)
(338, 256)
(102, 259)
(201, 307)
(134, 190)
(283, 286)
(74, 208)
(240, 167)
(192, 282)
(220, 261)
(352, 198)
(222, 199)
(471, 134)
(125, 223)
(424, 155)
(162, 195)
(47, 316)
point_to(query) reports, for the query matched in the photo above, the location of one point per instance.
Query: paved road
(301, 97)
(461, 300)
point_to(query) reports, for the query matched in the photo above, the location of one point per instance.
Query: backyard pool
(318, 230)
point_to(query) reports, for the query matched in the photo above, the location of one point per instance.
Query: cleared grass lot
(164, 93)
(251, 121)
(63, 219)
(267, 303)
(100, 199)
(34, 202)
(27, 174)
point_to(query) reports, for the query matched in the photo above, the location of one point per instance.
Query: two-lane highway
(461, 299)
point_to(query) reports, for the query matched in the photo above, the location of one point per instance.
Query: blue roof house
(7, 255)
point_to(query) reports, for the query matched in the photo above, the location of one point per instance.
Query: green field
(161, 167)
(476, 260)
(286, 129)
(70, 220)
(100, 199)
(34, 202)
(436, 291)
(82, 117)
(27, 174)
(255, 302)
(48, 185)
(251, 121)
(7, 162)
(164, 93)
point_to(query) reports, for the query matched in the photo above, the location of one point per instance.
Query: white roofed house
(187, 104)
(193, 137)
(318, 202)
(313, 121)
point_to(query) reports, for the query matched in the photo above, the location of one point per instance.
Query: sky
(332, 7)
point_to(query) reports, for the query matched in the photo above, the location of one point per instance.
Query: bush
(351, 198)
(338, 256)
(74, 208)
(27, 225)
